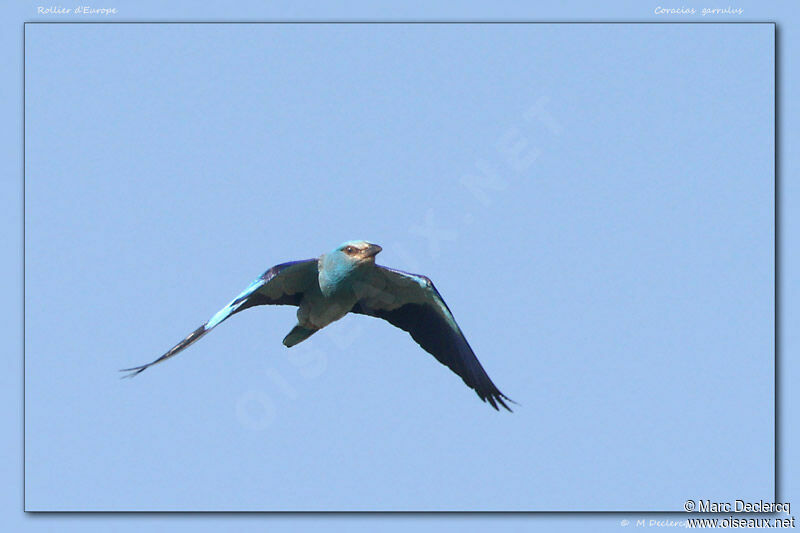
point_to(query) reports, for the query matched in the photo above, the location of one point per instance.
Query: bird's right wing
(282, 284)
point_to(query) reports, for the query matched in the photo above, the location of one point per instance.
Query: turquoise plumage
(347, 280)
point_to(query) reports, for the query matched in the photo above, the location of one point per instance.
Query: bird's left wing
(282, 284)
(412, 303)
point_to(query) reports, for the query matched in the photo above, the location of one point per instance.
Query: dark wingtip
(498, 397)
(502, 397)
(132, 372)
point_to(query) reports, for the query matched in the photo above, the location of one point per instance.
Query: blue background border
(246, 11)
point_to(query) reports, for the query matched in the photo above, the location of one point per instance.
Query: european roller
(347, 280)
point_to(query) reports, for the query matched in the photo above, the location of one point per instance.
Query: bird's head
(356, 252)
(344, 260)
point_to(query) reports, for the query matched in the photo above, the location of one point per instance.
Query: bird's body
(319, 309)
(336, 295)
(347, 280)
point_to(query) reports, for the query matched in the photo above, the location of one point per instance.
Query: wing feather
(412, 303)
(282, 284)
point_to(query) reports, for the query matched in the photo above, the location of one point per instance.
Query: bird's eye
(349, 250)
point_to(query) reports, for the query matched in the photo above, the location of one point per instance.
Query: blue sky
(595, 208)
(592, 344)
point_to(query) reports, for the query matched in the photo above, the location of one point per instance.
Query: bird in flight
(347, 280)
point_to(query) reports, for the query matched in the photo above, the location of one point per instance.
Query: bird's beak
(372, 250)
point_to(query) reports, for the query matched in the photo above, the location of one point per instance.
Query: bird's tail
(298, 335)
